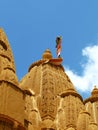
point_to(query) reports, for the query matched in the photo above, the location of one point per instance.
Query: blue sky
(32, 26)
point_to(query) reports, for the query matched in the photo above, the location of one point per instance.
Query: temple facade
(45, 98)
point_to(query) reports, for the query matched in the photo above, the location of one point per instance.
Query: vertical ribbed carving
(48, 99)
(68, 110)
(83, 120)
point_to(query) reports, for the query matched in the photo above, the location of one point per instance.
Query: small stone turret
(83, 120)
(94, 93)
(68, 108)
(91, 105)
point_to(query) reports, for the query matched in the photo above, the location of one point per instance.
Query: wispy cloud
(89, 76)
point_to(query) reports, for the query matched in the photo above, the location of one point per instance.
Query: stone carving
(58, 103)
(45, 99)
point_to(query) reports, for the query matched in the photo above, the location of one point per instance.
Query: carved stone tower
(52, 93)
(11, 96)
(45, 98)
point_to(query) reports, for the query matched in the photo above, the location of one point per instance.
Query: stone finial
(47, 54)
(94, 91)
(95, 86)
(93, 97)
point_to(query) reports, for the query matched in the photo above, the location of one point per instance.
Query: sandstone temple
(45, 98)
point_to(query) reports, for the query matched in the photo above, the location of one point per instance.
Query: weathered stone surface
(12, 101)
(83, 120)
(93, 126)
(45, 98)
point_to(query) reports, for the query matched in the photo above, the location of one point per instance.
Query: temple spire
(7, 66)
(6, 52)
